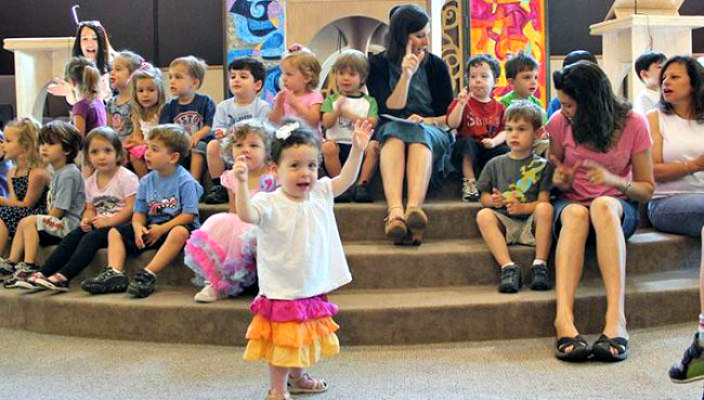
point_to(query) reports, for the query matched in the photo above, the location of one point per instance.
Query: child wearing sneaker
(29, 181)
(340, 111)
(246, 80)
(515, 191)
(59, 144)
(110, 193)
(299, 258)
(478, 119)
(193, 111)
(222, 252)
(165, 212)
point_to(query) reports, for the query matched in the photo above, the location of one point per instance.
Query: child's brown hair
(109, 135)
(195, 66)
(174, 138)
(82, 73)
(58, 131)
(251, 126)
(527, 111)
(354, 60)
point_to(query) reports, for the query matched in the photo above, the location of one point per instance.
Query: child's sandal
(395, 228)
(273, 395)
(294, 384)
(417, 223)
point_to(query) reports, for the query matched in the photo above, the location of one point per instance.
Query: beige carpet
(34, 366)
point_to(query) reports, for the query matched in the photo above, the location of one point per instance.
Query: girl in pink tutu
(299, 258)
(222, 251)
(148, 98)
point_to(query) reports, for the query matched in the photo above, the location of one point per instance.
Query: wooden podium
(37, 62)
(656, 26)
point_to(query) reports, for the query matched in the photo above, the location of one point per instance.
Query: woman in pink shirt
(603, 167)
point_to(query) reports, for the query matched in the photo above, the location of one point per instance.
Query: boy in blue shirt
(193, 111)
(165, 213)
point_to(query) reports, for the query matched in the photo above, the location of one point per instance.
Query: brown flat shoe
(417, 223)
(395, 228)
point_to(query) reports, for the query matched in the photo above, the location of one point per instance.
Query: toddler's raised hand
(363, 130)
(463, 97)
(219, 133)
(240, 168)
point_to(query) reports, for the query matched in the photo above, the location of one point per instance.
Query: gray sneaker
(469, 190)
(108, 281)
(7, 269)
(22, 272)
(143, 284)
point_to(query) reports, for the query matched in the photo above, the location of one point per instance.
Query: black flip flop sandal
(580, 349)
(602, 348)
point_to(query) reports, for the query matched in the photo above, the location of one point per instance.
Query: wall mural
(255, 28)
(505, 27)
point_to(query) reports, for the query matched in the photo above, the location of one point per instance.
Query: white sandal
(294, 384)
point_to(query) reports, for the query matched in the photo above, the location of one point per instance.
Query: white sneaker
(208, 294)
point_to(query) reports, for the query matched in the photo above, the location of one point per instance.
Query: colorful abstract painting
(505, 27)
(255, 28)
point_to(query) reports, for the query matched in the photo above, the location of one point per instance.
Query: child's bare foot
(305, 384)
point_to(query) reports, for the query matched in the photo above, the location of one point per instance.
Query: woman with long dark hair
(603, 167)
(91, 42)
(412, 85)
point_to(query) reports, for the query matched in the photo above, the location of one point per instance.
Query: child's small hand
(152, 235)
(99, 222)
(86, 225)
(194, 141)
(488, 143)
(514, 206)
(240, 168)
(337, 107)
(415, 118)
(219, 133)
(281, 98)
(497, 198)
(463, 97)
(363, 130)
(139, 232)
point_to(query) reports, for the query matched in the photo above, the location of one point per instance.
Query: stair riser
(407, 267)
(223, 326)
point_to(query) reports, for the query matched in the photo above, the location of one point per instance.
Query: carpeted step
(453, 262)
(447, 219)
(371, 317)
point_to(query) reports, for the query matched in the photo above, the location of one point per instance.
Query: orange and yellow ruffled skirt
(292, 333)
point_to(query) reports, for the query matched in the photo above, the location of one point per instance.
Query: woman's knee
(574, 216)
(605, 208)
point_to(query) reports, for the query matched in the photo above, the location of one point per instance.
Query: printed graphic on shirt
(106, 205)
(484, 123)
(157, 207)
(117, 122)
(531, 174)
(191, 121)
